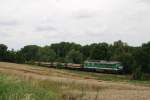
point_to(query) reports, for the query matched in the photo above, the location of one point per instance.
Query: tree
(3, 52)
(100, 52)
(10, 56)
(118, 48)
(127, 61)
(86, 50)
(19, 57)
(62, 48)
(137, 74)
(46, 54)
(30, 52)
(74, 57)
(142, 57)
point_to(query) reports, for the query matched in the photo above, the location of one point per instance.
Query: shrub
(138, 74)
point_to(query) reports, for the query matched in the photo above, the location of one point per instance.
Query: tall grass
(12, 88)
(18, 88)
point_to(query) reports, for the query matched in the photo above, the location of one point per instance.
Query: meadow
(28, 82)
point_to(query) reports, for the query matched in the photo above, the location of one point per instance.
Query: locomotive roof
(102, 61)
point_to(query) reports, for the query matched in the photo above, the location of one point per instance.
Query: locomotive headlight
(120, 67)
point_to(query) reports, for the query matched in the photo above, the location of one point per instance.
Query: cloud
(4, 35)
(45, 28)
(145, 1)
(84, 14)
(43, 22)
(7, 23)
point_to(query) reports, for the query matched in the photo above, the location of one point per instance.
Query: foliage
(142, 57)
(30, 52)
(100, 52)
(137, 74)
(74, 57)
(46, 54)
(3, 52)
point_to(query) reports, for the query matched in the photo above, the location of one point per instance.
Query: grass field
(13, 88)
(110, 77)
(25, 82)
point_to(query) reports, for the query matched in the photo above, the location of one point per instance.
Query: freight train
(89, 65)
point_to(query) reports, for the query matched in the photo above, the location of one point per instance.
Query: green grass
(144, 82)
(19, 88)
(13, 88)
(109, 77)
(101, 76)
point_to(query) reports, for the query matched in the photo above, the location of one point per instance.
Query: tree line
(136, 60)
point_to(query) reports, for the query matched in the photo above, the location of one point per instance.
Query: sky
(42, 22)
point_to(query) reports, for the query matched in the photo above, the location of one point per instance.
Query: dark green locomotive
(103, 65)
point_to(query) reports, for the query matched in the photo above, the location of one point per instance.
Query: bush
(138, 74)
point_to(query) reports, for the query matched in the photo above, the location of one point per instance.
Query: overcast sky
(43, 22)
